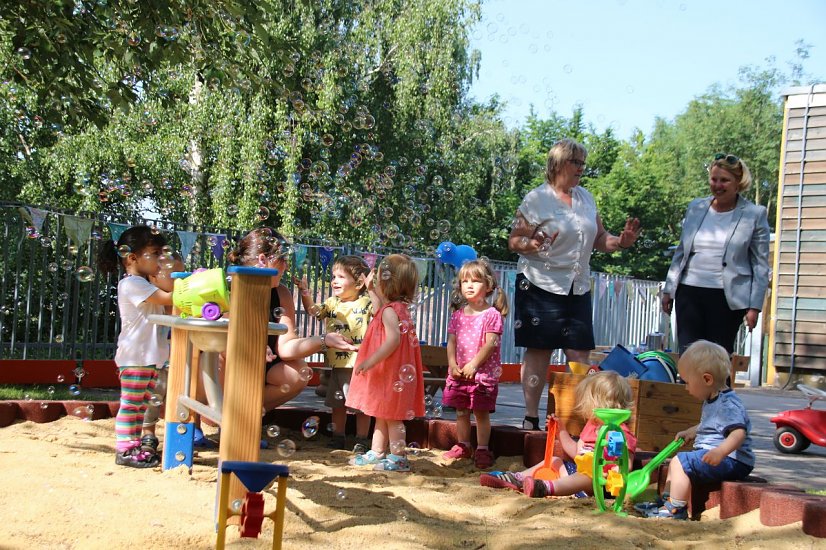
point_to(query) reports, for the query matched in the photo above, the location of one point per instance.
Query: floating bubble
(277, 313)
(535, 321)
(409, 415)
(50, 391)
(305, 373)
(58, 338)
(524, 284)
(407, 373)
(437, 411)
(24, 53)
(74, 389)
(414, 448)
(53, 267)
(236, 505)
(428, 400)
(341, 494)
(331, 427)
(27, 397)
(85, 274)
(273, 431)
(72, 249)
(82, 413)
(124, 250)
(285, 388)
(44, 405)
(397, 446)
(285, 448)
(60, 378)
(232, 209)
(398, 386)
(67, 264)
(155, 400)
(402, 515)
(310, 427)
(533, 381)
(339, 395)
(180, 456)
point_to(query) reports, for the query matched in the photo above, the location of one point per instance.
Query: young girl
(473, 355)
(387, 381)
(141, 345)
(348, 312)
(604, 390)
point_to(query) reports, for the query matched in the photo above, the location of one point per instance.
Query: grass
(816, 492)
(55, 392)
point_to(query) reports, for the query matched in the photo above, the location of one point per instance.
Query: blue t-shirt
(721, 416)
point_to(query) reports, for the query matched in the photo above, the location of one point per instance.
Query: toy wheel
(788, 440)
(252, 515)
(211, 311)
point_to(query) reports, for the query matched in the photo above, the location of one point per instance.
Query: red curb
(8, 413)
(741, 497)
(41, 411)
(783, 507)
(814, 518)
(88, 410)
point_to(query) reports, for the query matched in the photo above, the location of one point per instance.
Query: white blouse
(565, 265)
(705, 262)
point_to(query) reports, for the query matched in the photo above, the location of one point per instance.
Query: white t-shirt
(566, 264)
(705, 264)
(140, 343)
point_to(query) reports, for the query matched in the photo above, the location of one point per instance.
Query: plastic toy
(255, 476)
(546, 471)
(585, 464)
(604, 462)
(638, 481)
(797, 429)
(201, 293)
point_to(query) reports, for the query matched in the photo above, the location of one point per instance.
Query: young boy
(722, 445)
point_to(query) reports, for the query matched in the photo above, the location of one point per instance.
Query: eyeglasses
(577, 163)
(730, 159)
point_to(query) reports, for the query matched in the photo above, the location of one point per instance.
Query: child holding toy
(722, 444)
(387, 381)
(604, 390)
(141, 345)
(473, 354)
(347, 312)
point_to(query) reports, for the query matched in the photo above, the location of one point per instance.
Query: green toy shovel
(638, 481)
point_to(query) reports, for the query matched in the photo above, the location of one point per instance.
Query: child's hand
(469, 371)
(301, 283)
(368, 281)
(270, 355)
(364, 367)
(687, 435)
(455, 371)
(338, 341)
(714, 457)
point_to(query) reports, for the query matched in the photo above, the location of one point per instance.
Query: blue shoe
(644, 508)
(669, 511)
(203, 442)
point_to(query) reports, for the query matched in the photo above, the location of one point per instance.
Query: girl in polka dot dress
(473, 354)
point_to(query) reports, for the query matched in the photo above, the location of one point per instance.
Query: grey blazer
(745, 253)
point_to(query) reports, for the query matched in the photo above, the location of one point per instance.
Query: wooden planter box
(660, 410)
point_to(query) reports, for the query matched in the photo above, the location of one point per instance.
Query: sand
(60, 488)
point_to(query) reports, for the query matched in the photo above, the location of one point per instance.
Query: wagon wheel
(788, 440)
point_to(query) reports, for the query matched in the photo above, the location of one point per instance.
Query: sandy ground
(60, 488)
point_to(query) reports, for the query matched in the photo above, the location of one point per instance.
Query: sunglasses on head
(730, 159)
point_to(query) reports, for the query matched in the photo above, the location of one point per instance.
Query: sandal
(136, 458)
(368, 458)
(531, 423)
(393, 463)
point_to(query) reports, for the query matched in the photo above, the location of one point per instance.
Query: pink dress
(372, 392)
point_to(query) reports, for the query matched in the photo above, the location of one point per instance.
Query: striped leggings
(136, 386)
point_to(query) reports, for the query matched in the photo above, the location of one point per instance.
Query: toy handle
(550, 441)
(669, 450)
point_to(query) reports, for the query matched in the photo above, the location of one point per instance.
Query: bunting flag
(370, 258)
(299, 255)
(187, 242)
(602, 285)
(116, 230)
(217, 246)
(78, 229)
(511, 280)
(34, 216)
(421, 268)
(325, 256)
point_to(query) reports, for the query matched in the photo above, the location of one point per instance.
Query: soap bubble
(285, 388)
(124, 250)
(305, 373)
(156, 400)
(341, 495)
(533, 380)
(74, 389)
(339, 395)
(414, 447)
(236, 506)
(286, 448)
(277, 313)
(397, 446)
(50, 391)
(44, 405)
(53, 267)
(85, 274)
(27, 397)
(60, 378)
(273, 431)
(409, 415)
(310, 427)
(402, 515)
(437, 410)
(524, 284)
(398, 386)
(407, 373)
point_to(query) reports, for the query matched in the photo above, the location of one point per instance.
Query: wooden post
(175, 384)
(244, 377)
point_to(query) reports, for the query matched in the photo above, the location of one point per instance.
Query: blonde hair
(398, 278)
(603, 390)
(478, 270)
(707, 357)
(737, 169)
(561, 152)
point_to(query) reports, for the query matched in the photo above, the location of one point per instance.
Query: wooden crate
(660, 410)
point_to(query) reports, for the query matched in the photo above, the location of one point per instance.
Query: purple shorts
(470, 395)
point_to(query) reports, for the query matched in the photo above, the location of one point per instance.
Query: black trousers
(703, 314)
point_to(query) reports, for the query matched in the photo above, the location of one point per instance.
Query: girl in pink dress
(473, 355)
(387, 380)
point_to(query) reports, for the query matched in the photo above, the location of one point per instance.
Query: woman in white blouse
(556, 229)
(720, 271)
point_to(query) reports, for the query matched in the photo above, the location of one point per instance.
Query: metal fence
(55, 305)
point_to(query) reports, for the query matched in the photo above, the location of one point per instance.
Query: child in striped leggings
(141, 345)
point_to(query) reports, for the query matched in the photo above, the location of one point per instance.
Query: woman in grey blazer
(720, 271)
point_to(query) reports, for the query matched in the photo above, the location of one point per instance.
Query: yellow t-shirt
(350, 319)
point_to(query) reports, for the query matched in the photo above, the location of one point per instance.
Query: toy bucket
(579, 368)
(202, 294)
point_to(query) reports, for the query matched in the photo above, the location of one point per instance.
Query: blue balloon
(446, 252)
(464, 254)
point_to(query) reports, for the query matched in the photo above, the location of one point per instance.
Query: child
(604, 390)
(347, 312)
(722, 445)
(387, 381)
(141, 345)
(473, 354)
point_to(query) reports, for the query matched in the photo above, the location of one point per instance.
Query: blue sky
(629, 61)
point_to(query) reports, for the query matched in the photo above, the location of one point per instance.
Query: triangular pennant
(602, 284)
(511, 279)
(37, 218)
(325, 256)
(78, 229)
(218, 246)
(187, 242)
(300, 254)
(116, 230)
(370, 258)
(421, 268)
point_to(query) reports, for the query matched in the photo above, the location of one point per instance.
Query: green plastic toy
(201, 294)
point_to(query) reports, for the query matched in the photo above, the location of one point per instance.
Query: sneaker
(536, 488)
(502, 480)
(149, 443)
(459, 450)
(200, 441)
(136, 458)
(531, 423)
(483, 459)
(337, 442)
(361, 446)
(669, 511)
(370, 457)
(393, 463)
(644, 508)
